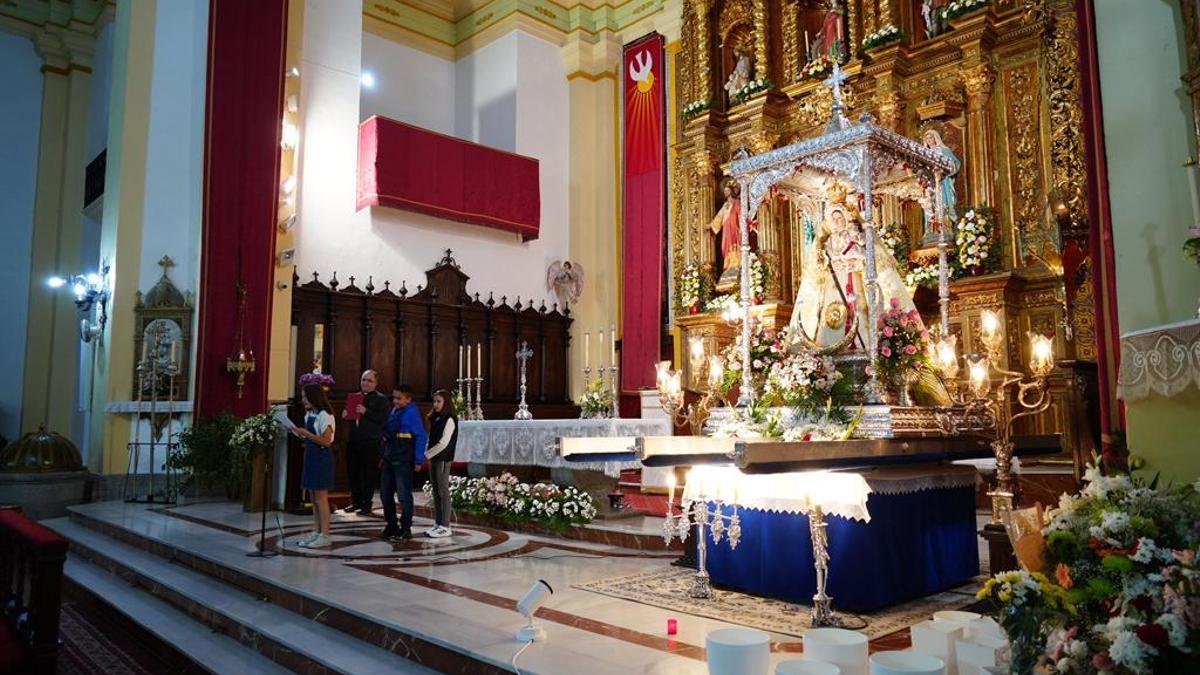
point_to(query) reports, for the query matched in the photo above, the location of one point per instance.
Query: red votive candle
(672, 627)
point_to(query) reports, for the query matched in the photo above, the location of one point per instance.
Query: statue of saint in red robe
(726, 224)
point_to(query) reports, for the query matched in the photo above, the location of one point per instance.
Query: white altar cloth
(535, 442)
(836, 493)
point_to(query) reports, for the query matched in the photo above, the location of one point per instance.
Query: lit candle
(601, 362)
(990, 323)
(672, 627)
(663, 370)
(670, 490)
(697, 345)
(1191, 167)
(612, 355)
(587, 349)
(716, 371)
(1041, 354)
(947, 358)
(978, 369)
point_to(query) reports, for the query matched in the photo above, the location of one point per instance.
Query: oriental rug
(667, 589)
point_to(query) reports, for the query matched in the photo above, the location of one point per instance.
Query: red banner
(645, 183)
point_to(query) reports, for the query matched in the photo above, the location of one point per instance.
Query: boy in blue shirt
(404, 441)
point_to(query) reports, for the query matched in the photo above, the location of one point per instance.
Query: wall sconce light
(91, 294)
(290, 137)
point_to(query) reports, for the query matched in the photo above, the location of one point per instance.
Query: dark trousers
(439, 475)
(362, 469)
(397, 479)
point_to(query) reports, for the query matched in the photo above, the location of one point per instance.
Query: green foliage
(206, 453)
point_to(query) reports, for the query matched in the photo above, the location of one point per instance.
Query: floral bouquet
(895, 240)
(506, 497)
(694, 288)
(884, 36)
(766, 349)
(817, 67)
(1031, 607)
(903, 341)
(694, 108)
(1123, 554)
(725, 305)
(254, 433)
(808, 383)
(597, 401)
(927, 274)
(316, 377)
(962, 8)
(753, 87)
(975, 240)
(758, 280)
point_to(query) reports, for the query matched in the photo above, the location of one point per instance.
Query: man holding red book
(368, 410)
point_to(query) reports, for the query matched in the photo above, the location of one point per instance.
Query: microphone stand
(262, 551)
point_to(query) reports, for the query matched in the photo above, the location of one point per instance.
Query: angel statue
(831, 309)
(740, 77)
(565, 278)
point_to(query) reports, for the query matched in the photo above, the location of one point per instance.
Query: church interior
(740, 337)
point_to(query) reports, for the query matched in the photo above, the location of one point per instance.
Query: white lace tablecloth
(835, 492)
(1164, 360)
(535, 442)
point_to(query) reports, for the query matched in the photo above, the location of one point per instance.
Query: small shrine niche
(163, 317)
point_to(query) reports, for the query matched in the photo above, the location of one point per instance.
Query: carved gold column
(889, 104)
(761, 53)
(978, 81)
(769, 248)
(870, 20)
(792, 61)
(885, 16)
(703, 49)
(704, 190)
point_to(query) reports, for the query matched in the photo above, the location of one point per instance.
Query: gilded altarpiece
(999, 85)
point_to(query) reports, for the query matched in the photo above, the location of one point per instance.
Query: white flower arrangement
(690, 287)
(723, 304)
(694, 108)
(886, 35)
(752, 87)
(255, 432)
(506, 497)
(963, 7)
(922, 275)
(974, 239)
(597, 401)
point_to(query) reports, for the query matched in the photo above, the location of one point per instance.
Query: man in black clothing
(362, 460)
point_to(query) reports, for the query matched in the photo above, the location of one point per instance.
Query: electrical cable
(518, 654)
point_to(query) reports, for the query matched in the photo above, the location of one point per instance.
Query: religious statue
(565, 279)
(933, 15)
(933, 141)
(831, 311)
(740, 77)
(726, 224)
(830, 39)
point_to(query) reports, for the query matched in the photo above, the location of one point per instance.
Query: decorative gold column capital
(889, 105)
(978, 82)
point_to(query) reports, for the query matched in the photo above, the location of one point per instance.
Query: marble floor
(457, 593)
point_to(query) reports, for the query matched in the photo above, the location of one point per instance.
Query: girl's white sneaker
(308, 538)
(320, 541)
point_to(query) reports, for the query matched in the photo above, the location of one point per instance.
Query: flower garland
(884, 36)
(903, 341)
(758, 279)
(694, 289)
(962, 8)
(817, 67)
(1124, 556)
(694, 109)
(753, 87)
(254, 433)
(597, 401)
(974, 237)
(503, 496)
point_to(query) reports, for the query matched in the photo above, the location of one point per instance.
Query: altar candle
(807, 51)
(672, 627)
(587, 348)
(990, 323)
(143, 350)
(1191, 167)
(460, 352)
(601, 333)
(478, 360)
(612, 355)
(467, 374)
(174, 352)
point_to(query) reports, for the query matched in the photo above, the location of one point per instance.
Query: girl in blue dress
(317, 476)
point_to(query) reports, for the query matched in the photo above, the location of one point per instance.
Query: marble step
(289, 639)
(213, 652)
(365, 629)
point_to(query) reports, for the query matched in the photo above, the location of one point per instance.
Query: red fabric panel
(13, 652)
(645, 209)
(406, 167)
(246, 42)
(41, 538)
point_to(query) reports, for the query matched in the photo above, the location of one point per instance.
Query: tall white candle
(478, 360)
(807, 51)
(467, 372)
(587, 346)
(174, 352)
(1191, 167)
(612, 354)
(460, 353)
(601, 361)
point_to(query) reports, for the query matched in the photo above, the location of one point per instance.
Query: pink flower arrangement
(902, 340)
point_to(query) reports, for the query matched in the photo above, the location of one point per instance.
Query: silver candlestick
(523, 355)
(464, 390)
(713, 519)
(477, 413)
(822, 607)
(616, 408)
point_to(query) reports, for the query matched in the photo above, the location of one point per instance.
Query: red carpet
(631, 487)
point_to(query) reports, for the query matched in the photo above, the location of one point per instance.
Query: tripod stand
(262, 551)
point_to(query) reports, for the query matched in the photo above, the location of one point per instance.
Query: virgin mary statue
(830, 311)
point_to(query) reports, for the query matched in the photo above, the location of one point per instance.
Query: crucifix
(523, 355)
(834, 81)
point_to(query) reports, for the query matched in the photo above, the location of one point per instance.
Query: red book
(353, 400)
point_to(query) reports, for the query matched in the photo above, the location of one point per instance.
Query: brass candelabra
(671, 391)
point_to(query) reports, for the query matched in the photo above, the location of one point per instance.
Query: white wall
(20, 122)
(411, 86)
(511, 95)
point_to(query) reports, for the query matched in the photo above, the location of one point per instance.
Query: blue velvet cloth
(916, 544)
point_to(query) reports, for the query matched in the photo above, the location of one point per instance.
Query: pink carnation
(886, 352)
(895, 302)
(910, 350)
(904, 322)
(887, 330)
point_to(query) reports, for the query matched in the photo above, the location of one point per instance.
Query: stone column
(978, 81)
(53, 341)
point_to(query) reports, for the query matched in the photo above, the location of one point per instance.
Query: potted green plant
(204, 455)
